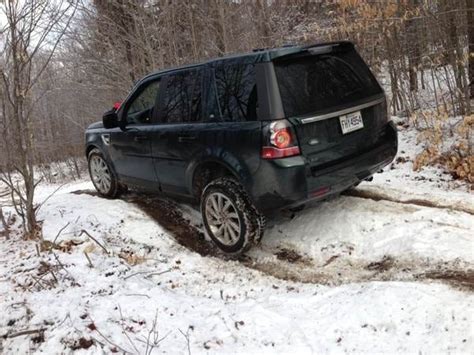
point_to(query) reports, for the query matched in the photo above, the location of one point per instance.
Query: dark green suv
(247, 134)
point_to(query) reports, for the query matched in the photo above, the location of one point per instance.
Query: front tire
(102, 176)
(230, 219)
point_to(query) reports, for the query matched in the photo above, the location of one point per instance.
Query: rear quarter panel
(236, 145)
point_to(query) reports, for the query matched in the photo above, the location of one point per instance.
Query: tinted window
(141, 108)
(237, 92)
(314, 83)
(182, 101)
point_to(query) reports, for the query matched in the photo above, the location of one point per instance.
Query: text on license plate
(351, 122)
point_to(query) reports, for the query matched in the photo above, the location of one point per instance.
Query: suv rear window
(313, 83)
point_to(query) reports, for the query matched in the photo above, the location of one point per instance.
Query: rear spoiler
(313, 49)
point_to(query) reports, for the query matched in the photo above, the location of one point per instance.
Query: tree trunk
(470, 38)
(23, 134)
(220, 26)
(413, 46)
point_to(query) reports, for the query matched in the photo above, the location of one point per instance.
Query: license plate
(351, 122)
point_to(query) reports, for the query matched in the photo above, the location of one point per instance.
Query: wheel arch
(93, 145)
(89, 148)
(200, 172)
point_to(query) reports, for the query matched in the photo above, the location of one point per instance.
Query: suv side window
(140, 111)
(237, 92)
(182, 101)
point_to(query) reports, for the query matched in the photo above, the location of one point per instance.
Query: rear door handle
(140, 138)
(186, 138)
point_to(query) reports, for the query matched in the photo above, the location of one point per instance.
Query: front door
(130, 148)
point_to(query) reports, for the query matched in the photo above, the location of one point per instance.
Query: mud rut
(288, 264)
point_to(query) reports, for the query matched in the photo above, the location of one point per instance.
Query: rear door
(176, 140)
(130, 148)
(206, 114)
(334, 101)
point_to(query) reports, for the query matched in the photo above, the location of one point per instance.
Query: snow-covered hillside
(388, 267)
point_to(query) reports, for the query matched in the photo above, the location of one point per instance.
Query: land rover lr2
(247, 134)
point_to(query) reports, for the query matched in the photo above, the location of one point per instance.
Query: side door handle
(182, 139)
(140, 138)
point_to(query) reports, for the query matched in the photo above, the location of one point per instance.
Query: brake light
(279, 141)
(274, 153)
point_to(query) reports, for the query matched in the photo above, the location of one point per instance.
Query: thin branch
(83, 231)
(48, 197)
(149, 273)
(23, 332)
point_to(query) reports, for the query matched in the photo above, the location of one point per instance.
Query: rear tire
(102, 175)
(229, 217)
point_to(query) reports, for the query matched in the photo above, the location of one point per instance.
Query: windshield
(309, 84)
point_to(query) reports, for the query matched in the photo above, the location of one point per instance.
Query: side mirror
(110, 119)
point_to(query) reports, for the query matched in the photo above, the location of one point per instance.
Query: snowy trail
(453, 201)
(345, 240)
(363, 228)
(313, 286)
(380, 236)
(352, 240)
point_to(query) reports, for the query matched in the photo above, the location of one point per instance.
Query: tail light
(279, 141)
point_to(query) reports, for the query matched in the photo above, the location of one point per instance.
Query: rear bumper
(292, 181)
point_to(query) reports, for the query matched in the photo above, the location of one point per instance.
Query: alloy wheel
(100, 174)
(223, 218)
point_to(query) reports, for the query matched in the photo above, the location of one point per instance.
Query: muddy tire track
(287, 264)
(347, 271)
(168, 215)
(422, 202)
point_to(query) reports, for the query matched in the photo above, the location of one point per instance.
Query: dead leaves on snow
(458, 159)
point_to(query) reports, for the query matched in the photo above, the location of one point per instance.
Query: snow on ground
(347, 275)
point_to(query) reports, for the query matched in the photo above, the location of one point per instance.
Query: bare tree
(32, 34)
(470, 39)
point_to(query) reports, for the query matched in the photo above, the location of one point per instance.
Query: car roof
(256, 56)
